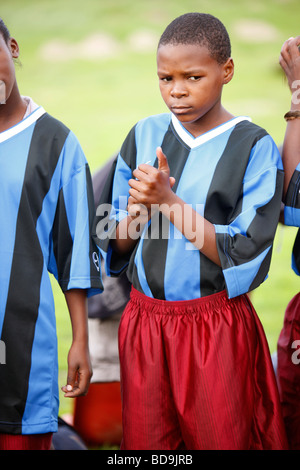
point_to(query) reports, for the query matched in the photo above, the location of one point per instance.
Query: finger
(293, 46)
(142, 172)
(283, 63)
(162, 160)
(135, 194)
(136, 184)
(285, 49)
(172, 181)
(136, 210)
(80, 387)
(131, 201)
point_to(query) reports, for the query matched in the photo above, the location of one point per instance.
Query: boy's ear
(14, 48)
(228, 70)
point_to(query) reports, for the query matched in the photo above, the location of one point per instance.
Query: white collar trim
(22, 125)
(193, 142)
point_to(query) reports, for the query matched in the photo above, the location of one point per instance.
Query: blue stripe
(141, 271)
(292, 216)
(120, 186)
(181, 287)
(42, 401)
(294, 266)
(239, 278)
(76, 204)
(147, 142)
(12, 172)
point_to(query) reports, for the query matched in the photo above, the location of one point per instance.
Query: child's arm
(290, 63)
(152, 187)
(79, 365)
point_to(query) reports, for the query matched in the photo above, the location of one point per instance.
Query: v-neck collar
(22, 125)
(193, 142)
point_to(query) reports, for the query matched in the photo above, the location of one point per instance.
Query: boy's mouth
(180, 109)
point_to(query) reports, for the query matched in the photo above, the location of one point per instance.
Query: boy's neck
(12, 112)
(208, 122)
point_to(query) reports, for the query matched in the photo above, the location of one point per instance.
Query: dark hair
(4, 31)
(202, 29)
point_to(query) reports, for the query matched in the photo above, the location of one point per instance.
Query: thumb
(162, 161)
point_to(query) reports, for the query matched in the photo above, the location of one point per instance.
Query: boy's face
(191, 83)
(7, 69)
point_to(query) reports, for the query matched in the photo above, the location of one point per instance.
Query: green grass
(101, 98)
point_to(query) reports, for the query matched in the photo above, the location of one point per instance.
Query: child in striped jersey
(288, 369)
(46, 209)
(195, 366)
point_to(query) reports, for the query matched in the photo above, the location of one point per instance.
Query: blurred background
(92, 65)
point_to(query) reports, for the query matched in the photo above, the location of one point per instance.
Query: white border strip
(22, 125)
(193, 142)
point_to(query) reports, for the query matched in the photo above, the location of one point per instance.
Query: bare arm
(79, 365)
(290, 63)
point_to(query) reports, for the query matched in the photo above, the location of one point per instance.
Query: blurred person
(47, 211)
(196, 196)
(288, 347)
(98, 415)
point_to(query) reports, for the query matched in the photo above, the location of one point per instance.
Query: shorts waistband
(164, 306)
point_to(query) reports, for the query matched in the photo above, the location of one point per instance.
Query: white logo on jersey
(96, 260)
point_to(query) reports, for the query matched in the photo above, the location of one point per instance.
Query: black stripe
(296, 251)
(260, 233)
(155, 249)
(27, 265)
(128, 149)
(225, 194)
(62, 242)
(95, 264)
(132, 273)
(292, 198)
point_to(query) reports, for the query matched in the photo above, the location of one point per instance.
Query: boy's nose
(178, 90)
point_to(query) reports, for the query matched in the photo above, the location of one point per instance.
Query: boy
(288, 370)
(47, 210)
(195, 367)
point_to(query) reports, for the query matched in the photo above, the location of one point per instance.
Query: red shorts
(197, 375)
(288, 371)
(25, 442)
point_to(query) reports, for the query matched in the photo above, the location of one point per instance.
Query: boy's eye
(166, 79)
(194, 77)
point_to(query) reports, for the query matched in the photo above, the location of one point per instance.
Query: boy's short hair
(4, 31)
(202, 29)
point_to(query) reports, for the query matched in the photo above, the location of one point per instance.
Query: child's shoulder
(155, 120)
(249, 127)
(53, 125)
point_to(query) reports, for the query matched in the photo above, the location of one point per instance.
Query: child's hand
(290, 61)
(79, 371)
(152, 186)
(137, 210)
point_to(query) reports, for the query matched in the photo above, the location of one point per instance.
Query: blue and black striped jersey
(292, 215)
(47, 210)
(232, 175)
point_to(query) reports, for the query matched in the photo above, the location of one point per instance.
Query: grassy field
(92, 65)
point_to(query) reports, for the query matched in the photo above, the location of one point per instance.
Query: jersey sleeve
(245, 244)
(292, 200)
(74, 256)
(112, 206)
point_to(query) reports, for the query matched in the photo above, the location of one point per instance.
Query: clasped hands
(150, 187)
